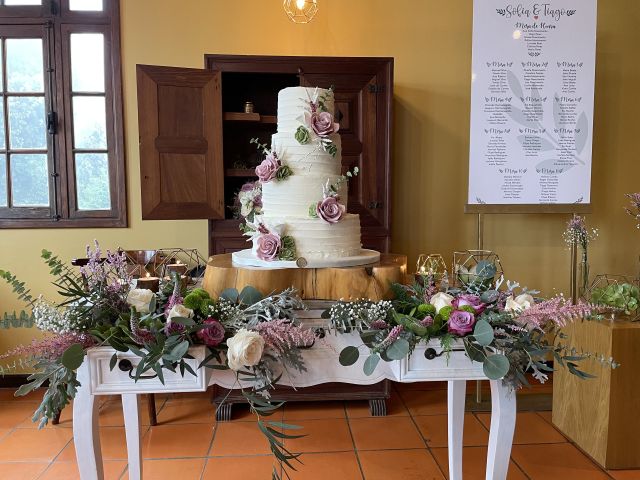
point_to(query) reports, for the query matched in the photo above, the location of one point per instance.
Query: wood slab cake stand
(319, 287)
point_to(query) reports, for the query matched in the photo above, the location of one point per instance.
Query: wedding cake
(298, 206)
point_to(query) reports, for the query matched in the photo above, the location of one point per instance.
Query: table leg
(503, 424)
(132, 431)
(86, 434)
(456, 398)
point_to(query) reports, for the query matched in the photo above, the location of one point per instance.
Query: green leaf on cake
(302, 135)
(313, 210)
(288, 248)
(283, 173)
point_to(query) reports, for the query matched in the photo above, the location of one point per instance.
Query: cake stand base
(246, 258)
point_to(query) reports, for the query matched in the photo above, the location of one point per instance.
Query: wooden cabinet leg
(455, 425)
(378, 407)
(133, 434)
(503, 424)
(223, 412)
(151, 405)
(86, 433)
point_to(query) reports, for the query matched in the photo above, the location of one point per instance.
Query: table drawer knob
(125, 365)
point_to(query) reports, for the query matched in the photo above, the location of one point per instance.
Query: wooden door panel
(180, 120)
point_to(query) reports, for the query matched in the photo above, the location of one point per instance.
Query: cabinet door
(358, 102)
(180, 121)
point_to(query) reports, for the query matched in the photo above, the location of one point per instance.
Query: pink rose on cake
(330, 210)
(268, 246)
(269, 167)
(323, 125)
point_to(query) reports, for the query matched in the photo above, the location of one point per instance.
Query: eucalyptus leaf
(496, 366)
(179, 350)
(73, 356)
(250, 295)
(490, 296)
(371, 363)
(398, 349)
(230, 294)
(348, 356)
(483, 333)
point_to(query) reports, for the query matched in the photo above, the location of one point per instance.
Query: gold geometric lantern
(300, 11)
(476, 270)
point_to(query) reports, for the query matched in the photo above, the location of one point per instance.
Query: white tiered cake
(304, 194)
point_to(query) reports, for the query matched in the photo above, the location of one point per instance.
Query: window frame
(60, 23)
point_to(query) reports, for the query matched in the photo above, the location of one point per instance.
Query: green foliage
(288, 248)
(445, 312)
(331, 149)
(193, 301)
(18, 287)
(622, 296)
(371, 363)
(201, 292)
(495, 366)
(427, 310)
(14, 320)
(73, 357)
(483, 333)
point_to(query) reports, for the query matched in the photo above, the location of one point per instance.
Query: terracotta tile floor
(343, 442)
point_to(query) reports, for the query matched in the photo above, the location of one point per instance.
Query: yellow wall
(431, 43)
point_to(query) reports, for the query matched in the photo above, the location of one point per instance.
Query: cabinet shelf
(249, 117)
(240, 172)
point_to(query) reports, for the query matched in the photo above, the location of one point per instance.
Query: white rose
(140, 298)
(520, 303)
(246, 207)
(441, 300)
(245, 349)
(179, 311)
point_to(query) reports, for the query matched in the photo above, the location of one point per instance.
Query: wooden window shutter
(181, 165)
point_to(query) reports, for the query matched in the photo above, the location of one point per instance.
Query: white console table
(323, 367)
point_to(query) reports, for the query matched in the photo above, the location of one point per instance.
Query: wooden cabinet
(600, 414)
(194, 136)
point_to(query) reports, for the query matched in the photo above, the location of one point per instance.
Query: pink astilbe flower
(427, 321)
(282, 335)
(51, 347)
(394, 334)
(379, 325)
(557, 310)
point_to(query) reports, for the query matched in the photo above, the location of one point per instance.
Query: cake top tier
(293, 102)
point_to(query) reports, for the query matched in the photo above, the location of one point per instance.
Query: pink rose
(267, 170)
(213, 335)
(330, 210)
(323, 125)
(469, 300)
(461, 322)
(268, 246)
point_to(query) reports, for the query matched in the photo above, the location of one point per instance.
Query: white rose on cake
(520, 303)
(179, 311)
(140, 298)
(244, 349)
(441, 300)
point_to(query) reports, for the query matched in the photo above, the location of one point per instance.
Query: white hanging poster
(532, 102)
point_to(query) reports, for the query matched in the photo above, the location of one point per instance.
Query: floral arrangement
(269, 241)
(248, 201)
(507, 330)
(271, 168)
(258, 338)
(329, 209)
(320, 121)
(634, 208)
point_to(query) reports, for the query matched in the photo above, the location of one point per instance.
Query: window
(61, 130)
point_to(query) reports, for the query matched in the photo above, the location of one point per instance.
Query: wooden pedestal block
(349, 283)
(366, 281)
(601, 415)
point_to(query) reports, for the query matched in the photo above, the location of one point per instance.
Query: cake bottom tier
(316, 239)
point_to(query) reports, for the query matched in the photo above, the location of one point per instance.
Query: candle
(177, 267)
(149, 283)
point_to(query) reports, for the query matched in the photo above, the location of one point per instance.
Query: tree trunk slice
(348, 283)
